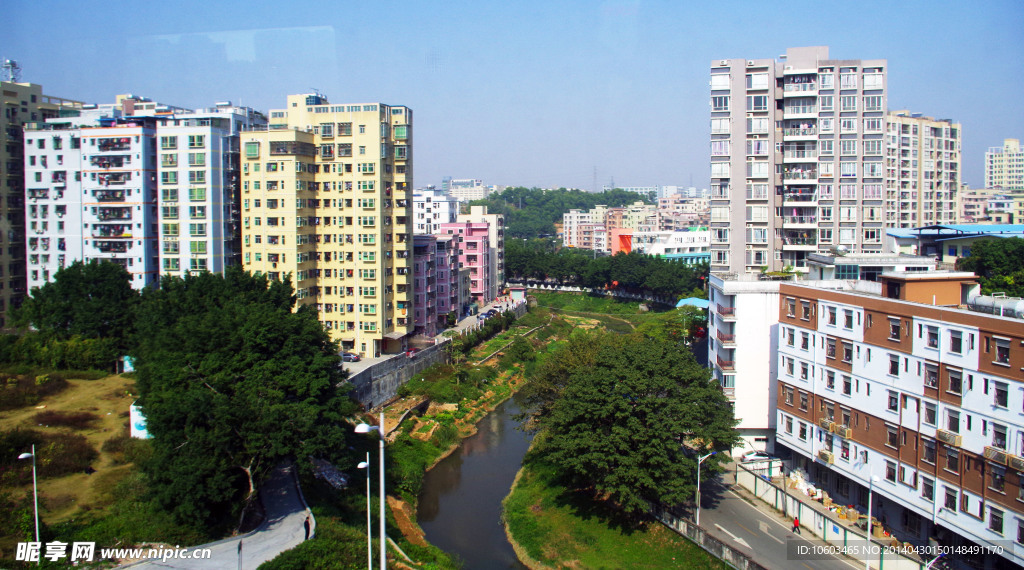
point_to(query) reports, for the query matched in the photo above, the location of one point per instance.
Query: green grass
(560, 527)
(591, 303)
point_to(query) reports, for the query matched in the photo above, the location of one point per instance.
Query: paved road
(284, 528)
(759, 533)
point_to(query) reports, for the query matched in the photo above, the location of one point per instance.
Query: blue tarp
(693, 301)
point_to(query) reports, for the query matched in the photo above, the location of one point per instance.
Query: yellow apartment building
(327, 201)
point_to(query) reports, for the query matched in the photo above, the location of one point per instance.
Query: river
(460, 504)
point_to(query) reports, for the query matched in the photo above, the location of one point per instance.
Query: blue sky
(525, 93)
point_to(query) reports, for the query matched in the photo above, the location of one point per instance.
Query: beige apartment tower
(922, 170)
(797, 154)
(22, 103)
(327, 201)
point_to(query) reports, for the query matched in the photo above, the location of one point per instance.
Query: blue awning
(693, 302)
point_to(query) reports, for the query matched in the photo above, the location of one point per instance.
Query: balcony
(114, 214)
(112, 231)
(808, 132)
(726, 339)
(800, 89)
(803, 174)
(729, 365)
(800, 220)
(114, 144)
(111, 161)
(996, 455)
(111, 246)
(728, 313)
(109, 195)
(799, 111)
(800, 156)
(799, 195)
(112, 179)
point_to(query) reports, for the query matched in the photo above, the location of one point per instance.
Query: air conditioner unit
(826, 424)
(826, 456)
(750, 62)
(948, 437)
(996, 455)
(842, 431)
(1016, 462)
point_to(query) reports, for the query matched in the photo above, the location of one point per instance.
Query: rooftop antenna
(11, 71)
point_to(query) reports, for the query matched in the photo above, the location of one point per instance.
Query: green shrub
(57, 454)
(73, 420)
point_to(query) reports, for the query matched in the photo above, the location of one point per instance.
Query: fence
(821, 525)
(379, 383)
(701, 538)
(617, 293)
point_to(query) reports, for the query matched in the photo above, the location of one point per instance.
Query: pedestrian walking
(796, 525)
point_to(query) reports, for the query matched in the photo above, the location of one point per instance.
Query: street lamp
(369, 527)
(871, 486)
(366, 428)
(699, 461)
(35, 489)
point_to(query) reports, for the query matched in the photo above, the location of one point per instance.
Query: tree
(93, 300)
(232, 381)
(620, 426)
(999, 264)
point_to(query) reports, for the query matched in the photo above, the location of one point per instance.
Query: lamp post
(366, 428)
(871, 486)
(35, 489)
(699, 461)
(369, 527)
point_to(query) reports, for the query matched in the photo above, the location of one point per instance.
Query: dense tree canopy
(231, 382)
(999, 264)
(625, 416)
(91, 300)
(541, 260)
(532, 212)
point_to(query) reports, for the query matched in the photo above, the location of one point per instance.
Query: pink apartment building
(470, 240)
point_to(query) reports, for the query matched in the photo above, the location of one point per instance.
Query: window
(720, 103)
(1002, 351)
(931, 376)
(197, 212)
(757, 81)
(170, 247)
(720, 148)
(997, 478)
(955, 382)
(928, 454)
(169, 212)
(894, 365)
(933, 337)
(952, 460)
(803, 401)
(956, 342)
(995, 520)
(892, 436)
(1001, 396)
(827, 125)
(805, 309)
(928, 489)
(847, 169)
(848, 103)
(847, 319)
(999, 436)
(197, 177)
(805, 341)
(197, 247)
(848, 147)
(197, 159)
(168, 177)
(791, 307)
(169, 230)
(847, 352)
(721, 126)
(757, 102)
(196, 141)
(929, 413)
(830, 348)
(848, 125)
(168, 143)
(803, 431)
(197, 194)
(171, 264)
(872, 80)
(873, 103)
(789, 425)
(832, 316)
(950, 499)
(847, 385)
(197, 230)
(953, 421)
(826, 102)
(890, 471)
(789, 395)
(830, 380)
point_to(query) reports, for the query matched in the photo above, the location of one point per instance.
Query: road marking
(780, 523)
(746, 529)
(738, 540)
(806, 566)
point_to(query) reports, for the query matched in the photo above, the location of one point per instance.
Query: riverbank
(551, 526)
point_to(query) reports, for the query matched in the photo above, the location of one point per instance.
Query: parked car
(412, 352)
(350, 357)
(754, 456)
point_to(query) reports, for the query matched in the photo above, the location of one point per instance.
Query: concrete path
(284, 529)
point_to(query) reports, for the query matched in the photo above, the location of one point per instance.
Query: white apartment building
(465, 189)
(690, 247)
(1004, 166)
(892, 380)
(93, 189)
(796, 156)
(431, 208)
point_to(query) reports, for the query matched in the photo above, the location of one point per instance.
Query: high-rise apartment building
(797, 153)
(22, 103)
(327, 200)
(922, 162)
(1004, 166)
(151, 187)
(474, 251)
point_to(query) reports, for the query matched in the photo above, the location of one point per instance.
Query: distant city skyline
(567, 94)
